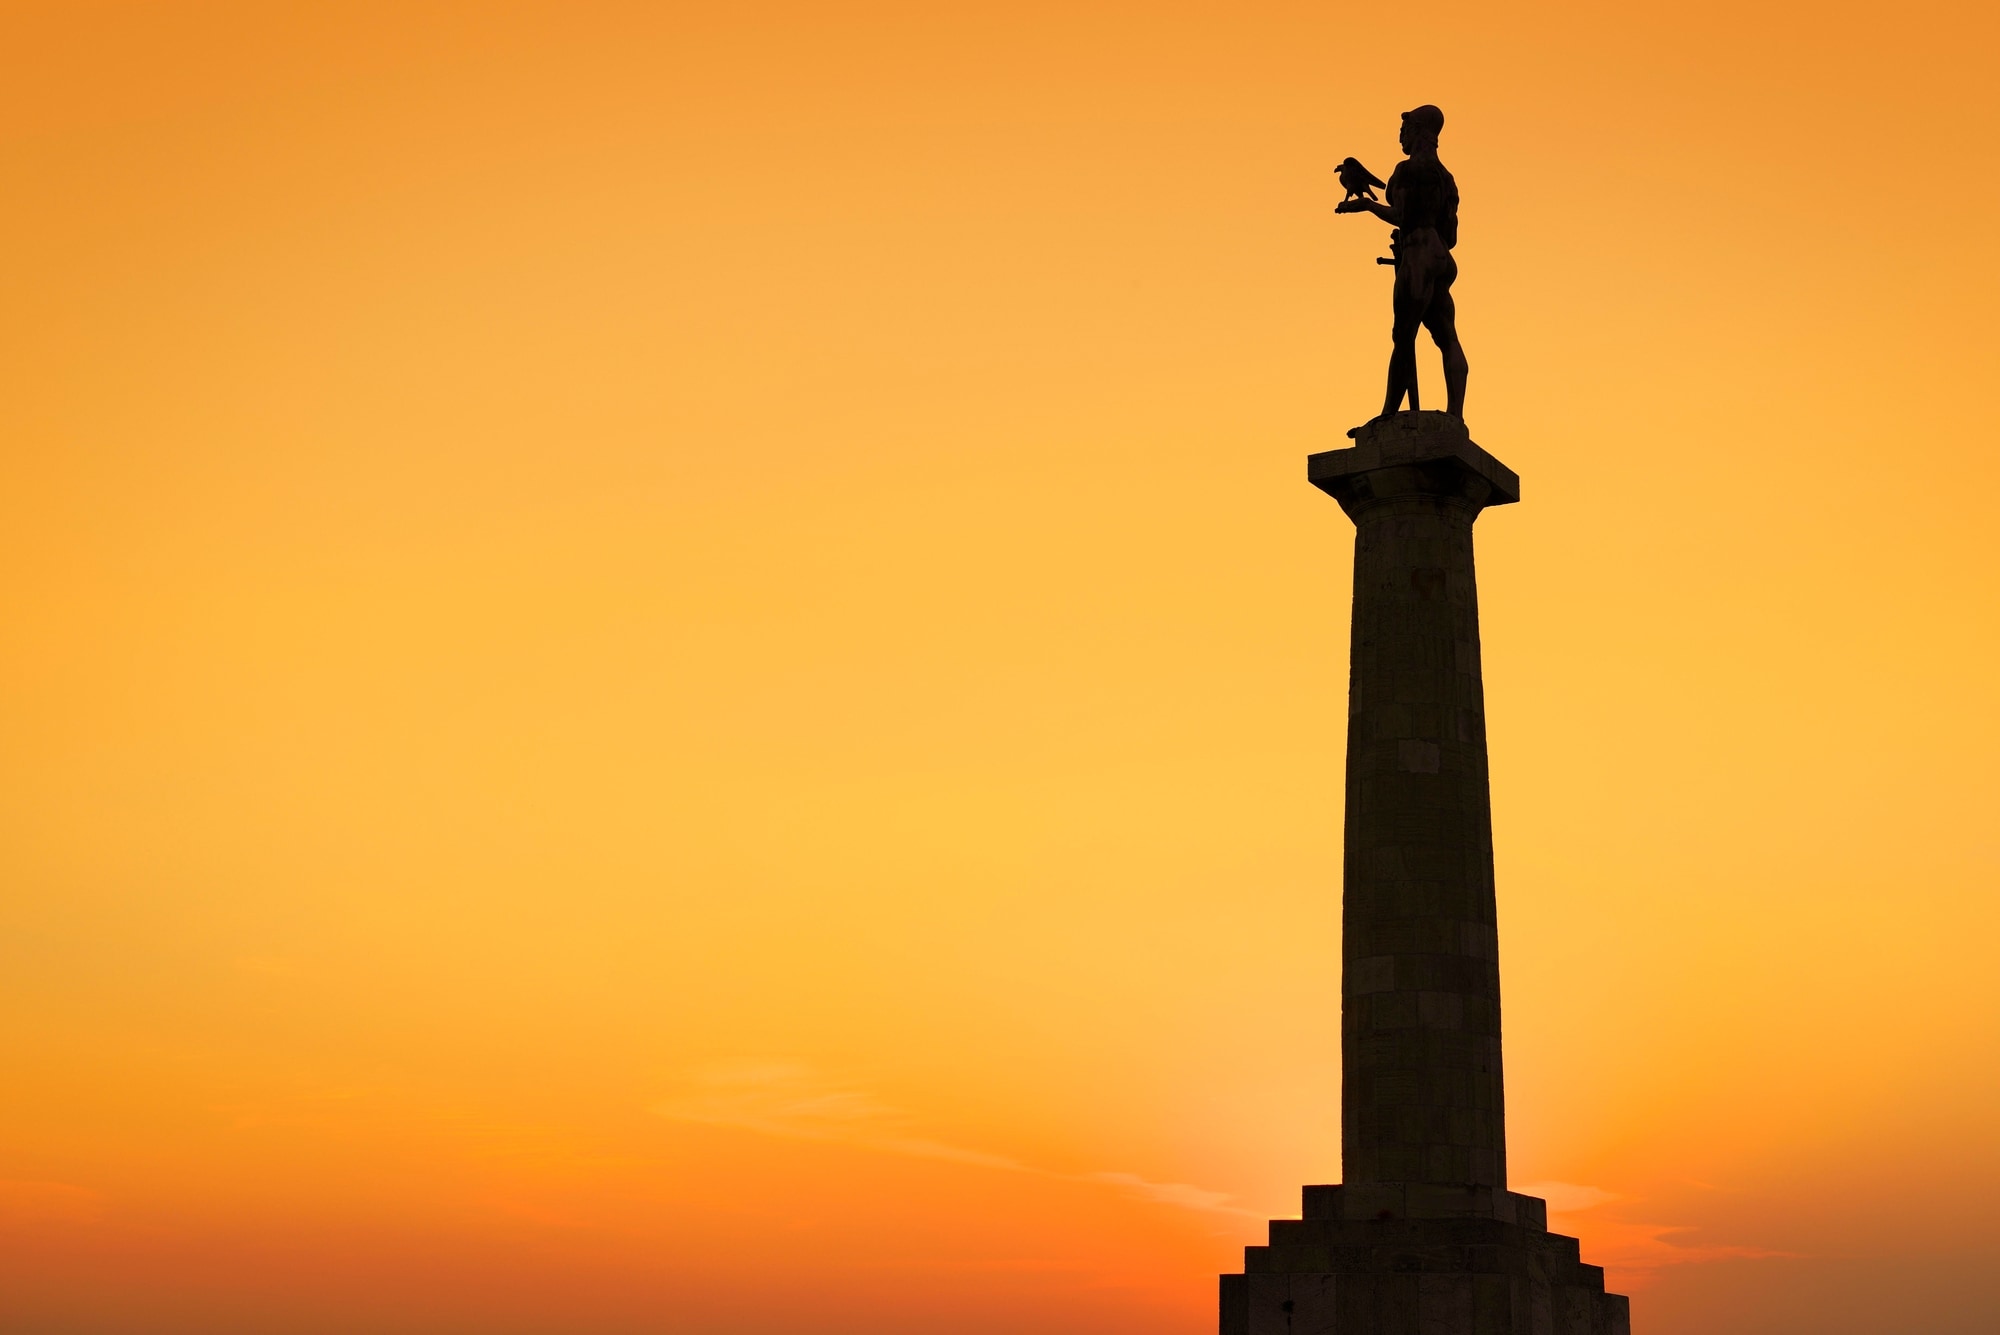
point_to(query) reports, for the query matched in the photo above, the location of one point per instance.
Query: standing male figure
(1423, 208)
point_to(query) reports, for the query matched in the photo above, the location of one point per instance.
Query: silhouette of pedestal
(1423, 1237)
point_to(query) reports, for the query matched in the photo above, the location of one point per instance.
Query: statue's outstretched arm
(1388, 213)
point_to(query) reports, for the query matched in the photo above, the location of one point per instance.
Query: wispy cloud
(1167, 1193)
(46, 1202)
(1567, 1197)
(780, 1099)
(1636, 1250)
(794, 1102)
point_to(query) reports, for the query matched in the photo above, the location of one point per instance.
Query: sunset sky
(668, 667)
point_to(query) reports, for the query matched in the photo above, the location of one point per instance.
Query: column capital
(1412, 454)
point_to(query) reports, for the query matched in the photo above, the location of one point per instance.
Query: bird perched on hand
(1356, 180)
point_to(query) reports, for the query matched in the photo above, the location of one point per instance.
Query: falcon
(1356, 180)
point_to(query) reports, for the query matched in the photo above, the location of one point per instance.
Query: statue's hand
(1351, 206)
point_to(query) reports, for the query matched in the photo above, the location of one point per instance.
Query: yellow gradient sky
(668, 667)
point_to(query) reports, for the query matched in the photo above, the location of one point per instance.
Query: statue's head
(1421, 129)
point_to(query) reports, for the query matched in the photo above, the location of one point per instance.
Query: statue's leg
(1410, 305)
(1442, 320)
(1402, 371)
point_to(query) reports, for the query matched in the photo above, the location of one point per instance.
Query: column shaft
(1421, 1094)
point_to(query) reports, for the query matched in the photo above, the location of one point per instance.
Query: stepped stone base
(1482, 1263)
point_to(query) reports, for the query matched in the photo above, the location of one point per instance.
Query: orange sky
(668, 667)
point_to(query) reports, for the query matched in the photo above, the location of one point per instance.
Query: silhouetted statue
(1423, 208)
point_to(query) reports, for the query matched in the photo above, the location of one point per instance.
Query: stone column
(1423, 1237)
(1421, 1101)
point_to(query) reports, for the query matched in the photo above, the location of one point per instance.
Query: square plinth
(1328, 1274)
(1403, 440)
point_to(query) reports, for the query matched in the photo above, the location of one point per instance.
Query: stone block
(1445, 1304)
(1292, 1304)
(1376, 973)
(1321, 1202)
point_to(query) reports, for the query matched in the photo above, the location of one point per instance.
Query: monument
(1421, 1237)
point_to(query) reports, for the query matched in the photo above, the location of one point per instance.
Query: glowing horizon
(670, 668)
